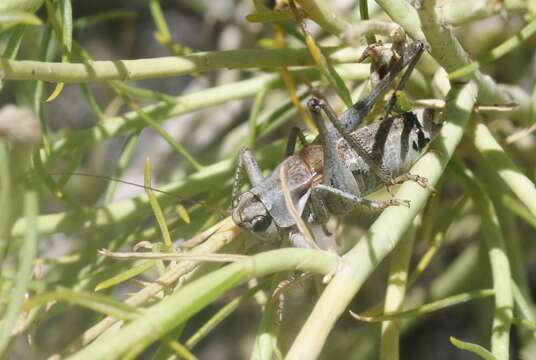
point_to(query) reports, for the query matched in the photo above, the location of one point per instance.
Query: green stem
(497, 52)
(221, 315)
(323, 15)
(253, 116)
(495, 156)
(363, 11)
(360, 262)
(500, 266)
(476, 349)
(5, 199)
(265, 343)
(12, 47)
(459, 12)
(163, 133)
(394, 296)
(131, 121)
(27, 255)
(139, 69)
(405, 15)
(178, 307)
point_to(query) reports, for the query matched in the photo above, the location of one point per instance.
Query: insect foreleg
(245, 161)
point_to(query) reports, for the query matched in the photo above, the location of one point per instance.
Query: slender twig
(514, 178)
(394, 296)
(140, 69)
(216, 237)
(178, 307)
(500, 266)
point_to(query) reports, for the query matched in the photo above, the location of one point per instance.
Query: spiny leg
(295, 134)
(322, 191)
(353, 116)
(278, 296)
(336, 173)
(356, 143)
(245, 161)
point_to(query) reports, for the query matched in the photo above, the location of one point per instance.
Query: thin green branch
(394, 296)
(384, 234)
(125, 156)
(157, 210)
(405, 15)
(13, 45)
(496, 157)
(27, 254)
(180, 306)
(474, 348)
(131, 121)
(500, 266)
(5, 199)
(90, 20)
(524, 304)
(323, 15)
(265, 343)
(498, 52)
(139, 69)
(163, 34)
(219, 316)
(363, 12)
(429, 307)
(181, 150)
(253, 117)
(215, 238)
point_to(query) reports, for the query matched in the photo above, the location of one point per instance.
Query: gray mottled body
(394, 143)
(345, 163)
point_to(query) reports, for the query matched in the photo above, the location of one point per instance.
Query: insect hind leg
(335, 174)
(357, 202)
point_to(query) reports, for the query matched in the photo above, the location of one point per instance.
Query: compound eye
(261, 223)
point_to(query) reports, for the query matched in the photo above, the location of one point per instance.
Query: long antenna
(110, 178)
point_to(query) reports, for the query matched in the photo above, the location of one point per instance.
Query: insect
(345, 163)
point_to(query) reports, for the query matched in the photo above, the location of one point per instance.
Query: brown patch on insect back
(313, 156)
